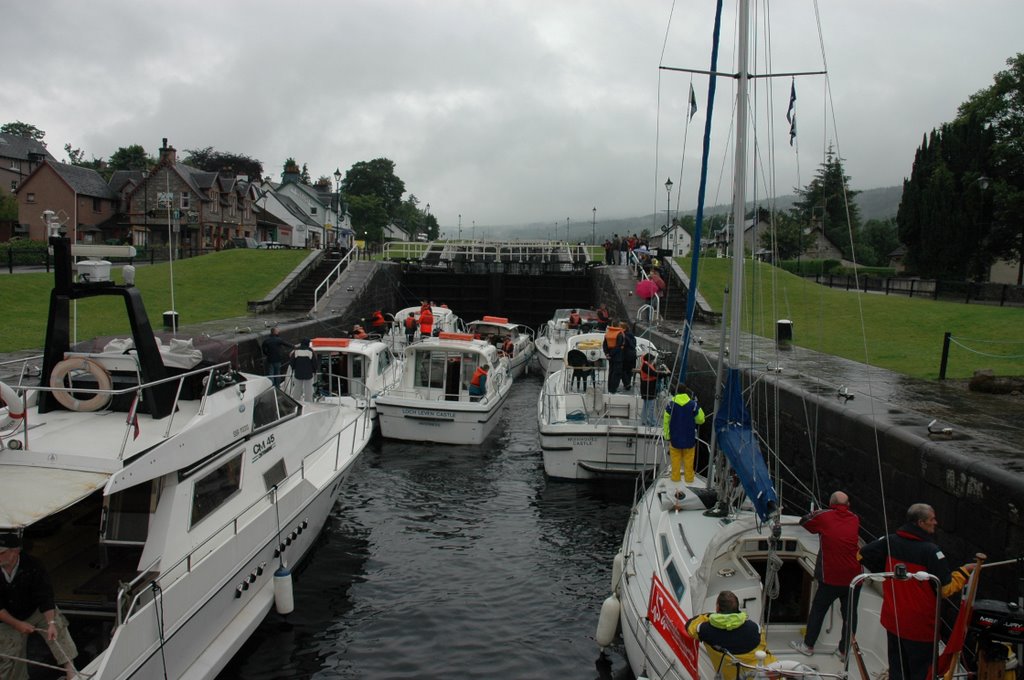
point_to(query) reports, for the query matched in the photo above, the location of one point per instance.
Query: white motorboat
(587, 432)
(514, 340)
(167, 496)
(432, 401)
(552, 336)
(445, 321)
(354, 372)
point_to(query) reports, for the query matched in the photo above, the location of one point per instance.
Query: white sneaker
(799, 646)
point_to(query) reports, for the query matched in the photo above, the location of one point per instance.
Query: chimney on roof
(168, 154)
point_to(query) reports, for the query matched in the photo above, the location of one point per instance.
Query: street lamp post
(460, 226)
(567, 239)
(337, 197)
(593, 228)
(668, 204)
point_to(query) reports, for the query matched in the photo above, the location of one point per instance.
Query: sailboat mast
(739, 184)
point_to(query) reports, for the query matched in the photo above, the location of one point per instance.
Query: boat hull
(456, 422)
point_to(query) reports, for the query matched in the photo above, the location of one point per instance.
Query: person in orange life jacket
(908, 606)
(649, 375)
(836, 566)
(26, 607)
(574, 319)
(728, 630)
(410, 326)
(302, 371)
(478, 383)
(628, 356)
(377, 321)
(603, 317)
(682, 416)
(612, 346)
(359, 333)
(508, 346)
(426, 322)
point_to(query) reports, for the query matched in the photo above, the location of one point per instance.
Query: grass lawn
(214, 286)
(895, 332)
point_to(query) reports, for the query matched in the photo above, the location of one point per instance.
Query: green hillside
(895, 332)
(215, 286)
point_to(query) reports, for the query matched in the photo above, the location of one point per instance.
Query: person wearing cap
(302, 371)
(26, 607)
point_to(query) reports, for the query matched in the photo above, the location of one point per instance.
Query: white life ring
(63, 393)
(15, 409)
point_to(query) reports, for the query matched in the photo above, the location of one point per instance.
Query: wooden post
(945, 355)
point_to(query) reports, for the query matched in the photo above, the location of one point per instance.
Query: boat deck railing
(492, 255)
(580, 395)
(217, 375)
(153, 579)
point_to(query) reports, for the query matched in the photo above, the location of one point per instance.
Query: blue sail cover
(736, 438)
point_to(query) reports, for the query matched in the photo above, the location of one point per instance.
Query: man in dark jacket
(728, 630)
(26, 607)
(628, 356)
(908, 605)
(275, 350)
(837, 565)
(302, 371)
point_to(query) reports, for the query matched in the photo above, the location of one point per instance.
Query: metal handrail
(335, 274)
(123, 612)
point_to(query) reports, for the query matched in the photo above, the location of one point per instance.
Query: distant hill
(874, 204)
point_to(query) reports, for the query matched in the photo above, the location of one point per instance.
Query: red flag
(133, 417)
(955, 643)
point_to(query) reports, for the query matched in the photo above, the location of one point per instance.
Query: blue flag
(693, 103)
(792, 130)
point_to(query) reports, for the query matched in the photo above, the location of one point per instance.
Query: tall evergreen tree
(828, 201)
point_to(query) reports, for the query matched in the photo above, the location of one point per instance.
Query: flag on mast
(792, 130)
(693, 104)
(791, 111)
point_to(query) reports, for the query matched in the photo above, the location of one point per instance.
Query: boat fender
(617, 564)
(608, 623)
(63, 392)
(284, 602)
(15, 406)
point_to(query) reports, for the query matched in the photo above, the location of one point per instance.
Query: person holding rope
(26, 607)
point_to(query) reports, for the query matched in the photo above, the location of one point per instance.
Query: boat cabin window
(275, 475)
(794, 600)
(270, 407)
(215, 487)
(384, 360)
(675, 580)
(126, 515)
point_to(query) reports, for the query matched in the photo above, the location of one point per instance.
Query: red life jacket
(508, 346)
(648, 371)
(574, 320)
(378, 319)
(480, 371)
(426, 322)
(410, 322)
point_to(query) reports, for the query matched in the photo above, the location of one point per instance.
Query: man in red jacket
(837, 565)
(908, 605)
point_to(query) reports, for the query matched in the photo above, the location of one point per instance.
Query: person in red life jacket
(574, 319)
(682, 416)
(377, 321)
(728, 630)
(836, 566)
(603, 317)
(649, 375)
(359, 333)
(613, 348)
(508, 346)
(410, 327)
(478, 383)
(426, 322)
(908, 605)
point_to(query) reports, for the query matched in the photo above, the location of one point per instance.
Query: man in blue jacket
(682, 416)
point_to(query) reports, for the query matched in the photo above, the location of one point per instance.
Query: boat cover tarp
(29, 494)
(736, 438)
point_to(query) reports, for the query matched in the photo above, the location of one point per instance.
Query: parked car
(243, 242)
(271, 245)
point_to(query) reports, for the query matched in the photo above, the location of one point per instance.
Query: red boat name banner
(668, 619)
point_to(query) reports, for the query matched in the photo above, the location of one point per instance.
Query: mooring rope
(985, 354)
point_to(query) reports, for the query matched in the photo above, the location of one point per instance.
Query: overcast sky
(503, 111)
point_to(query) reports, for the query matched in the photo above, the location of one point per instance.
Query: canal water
(453, 562)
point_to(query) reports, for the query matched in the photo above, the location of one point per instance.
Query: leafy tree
(432, 227)
(375, 178)
(211, 160)
(881, 237)
(789, 240)
(368, 216)
(77, 157)
(824, 201)
(132, 157)
(23, 130)
(999, 111)
(8, 206)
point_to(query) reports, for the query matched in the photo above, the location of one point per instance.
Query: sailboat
(729, 531)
